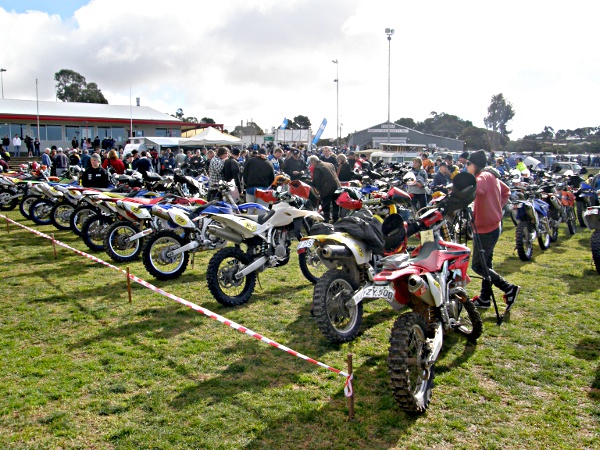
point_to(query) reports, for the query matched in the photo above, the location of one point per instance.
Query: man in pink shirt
(490, 197)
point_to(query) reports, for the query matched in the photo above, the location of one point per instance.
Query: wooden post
(54, 246)
(351, 398)
(193, 259)
(128, 285)
(7, 226)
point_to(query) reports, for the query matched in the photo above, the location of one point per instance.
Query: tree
(299, 123)
(251, 129)
(548, 133)
(178, 114)
(443, 124)
(407, 122)
(72, 87)
(499, 113)
(191, 119)
(207, 120)
(475, 138)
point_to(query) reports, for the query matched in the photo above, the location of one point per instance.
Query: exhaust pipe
(419, 288)
(336, 251)
(225, 234)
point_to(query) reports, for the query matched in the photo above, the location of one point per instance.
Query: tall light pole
(389, 32)
(337, 89)
(2, 80)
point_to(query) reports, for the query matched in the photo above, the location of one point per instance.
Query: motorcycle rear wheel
(156, 259)
(310, 264)
(60, 216)
(411, 382)
(116, 243)
(524, 241)
(581, 207)
(5, 204)
(554, 223)
(40, 210)
(220, 277)
(596, 249)
(544, 237)
(93, 232)
(338, 321)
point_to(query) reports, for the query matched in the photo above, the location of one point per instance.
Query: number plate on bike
(385, 292)
(427, 236)
(306, 244)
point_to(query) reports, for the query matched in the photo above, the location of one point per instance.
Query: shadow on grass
(163, 323)
(588, 349)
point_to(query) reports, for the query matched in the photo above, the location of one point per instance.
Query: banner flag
(283, 124)
(320, 131)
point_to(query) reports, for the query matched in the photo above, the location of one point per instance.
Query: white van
(393, 157)
(134, 143)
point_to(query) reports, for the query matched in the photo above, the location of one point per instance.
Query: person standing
(5, 143)
(114, 162)
(17, 145)
(329, 157)
(344, 170)
(29, 146)
(442, 177)
(417, 188)
(46, 161)
(232, 170)
(144, 165)
(94, 176)
(85, 159)
(215, 172)
(294, 166)
(61, 162)
(75, 142)
(326, 181)
(36, 147)
(258, 174)
(490, 197)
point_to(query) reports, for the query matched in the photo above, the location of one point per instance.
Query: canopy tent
(163, 141)
(210, 136)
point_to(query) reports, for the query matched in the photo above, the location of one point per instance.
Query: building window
(118, 134)
(161, 132)
(72, 132)
(42, 136)
(104, 132)
(54, 133)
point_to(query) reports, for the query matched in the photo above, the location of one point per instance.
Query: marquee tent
(210, 136)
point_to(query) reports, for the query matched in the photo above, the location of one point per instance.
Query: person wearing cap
(258, 174)
(442, 176)
(490, 197)
(463, 159)
(452, 169)
(295, 166)
(94, 176)
(232, 170)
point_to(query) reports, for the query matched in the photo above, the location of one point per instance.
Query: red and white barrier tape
(348, 384)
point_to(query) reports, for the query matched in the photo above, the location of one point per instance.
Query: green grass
(80, 367)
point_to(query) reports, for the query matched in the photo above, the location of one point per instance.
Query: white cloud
(256, 59)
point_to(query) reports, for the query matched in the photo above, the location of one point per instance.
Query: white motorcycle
(231, 273)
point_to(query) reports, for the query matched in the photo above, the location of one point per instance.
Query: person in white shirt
(17, 144)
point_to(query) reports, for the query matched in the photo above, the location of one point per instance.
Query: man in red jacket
(490, 197)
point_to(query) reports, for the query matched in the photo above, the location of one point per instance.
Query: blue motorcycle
(531, 216)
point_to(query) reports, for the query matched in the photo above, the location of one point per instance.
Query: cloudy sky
(263, 60)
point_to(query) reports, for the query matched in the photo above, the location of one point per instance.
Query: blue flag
(320, 131)
(283, 124)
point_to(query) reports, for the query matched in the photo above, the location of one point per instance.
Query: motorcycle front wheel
(571, 221)
(26, 203)
(544, 236)
(581, 207)
(221, 277)
(61, 215)
(596, 249)
(79, 216)
(411, 379)
(524, 241)
(470, 324)
(40, 210)
(157, 259)
(93, 232)
(117, 244)
(553, 223)
(338, 318)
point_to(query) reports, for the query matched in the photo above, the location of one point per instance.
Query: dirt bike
(431, 282)
(591, 218)
(232, 272)
(352, 261)
(531, 215)
(561, 201)
(185, 231)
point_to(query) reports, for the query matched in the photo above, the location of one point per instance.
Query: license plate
(385, 292)
(305, 244)
(590, 211)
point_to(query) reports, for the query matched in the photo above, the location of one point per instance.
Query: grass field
(80, 367)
